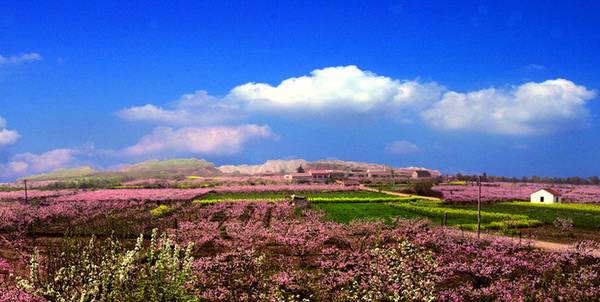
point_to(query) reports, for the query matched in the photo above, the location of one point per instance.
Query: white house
(545, 196)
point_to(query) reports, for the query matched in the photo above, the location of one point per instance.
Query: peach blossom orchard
(261, 251)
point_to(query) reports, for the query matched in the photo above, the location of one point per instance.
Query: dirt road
(545, 245)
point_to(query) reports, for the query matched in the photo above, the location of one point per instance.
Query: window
(541, 198)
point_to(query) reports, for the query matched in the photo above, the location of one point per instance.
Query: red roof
(551, 191)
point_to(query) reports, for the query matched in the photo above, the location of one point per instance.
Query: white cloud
(197, 108)
(347, 91)
(29, 163)
(7, 137)
(532, 67)
(532, 108)
(199, 140)
(401, 147)
(21, 58)
(337, 88)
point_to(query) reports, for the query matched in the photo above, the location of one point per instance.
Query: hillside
(178, 168)
(63, 174)
(169, 168)
(148, 169)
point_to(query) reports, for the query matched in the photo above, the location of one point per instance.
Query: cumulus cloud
(401, 147)
(337, 88)
(343, 89)
(7, 137)
(198, 108)
(218, 140)
(30, 163)
(20, 59)
(531, 108)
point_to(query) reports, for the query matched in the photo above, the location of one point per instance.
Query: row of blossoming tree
(265, 251)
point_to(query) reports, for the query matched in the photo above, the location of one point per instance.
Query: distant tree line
(85, 183)
(575, 180)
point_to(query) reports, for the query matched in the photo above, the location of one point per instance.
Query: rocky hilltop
(275, 166)
(287, 166)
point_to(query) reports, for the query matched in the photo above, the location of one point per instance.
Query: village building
(402, 174)
(298, 177)
(338, 174)
(357, 175)
(320, 175)
(545, 196)
(379, 174)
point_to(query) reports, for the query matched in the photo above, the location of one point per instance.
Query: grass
(584, 216)
(161, 211)
(347, 206)
(346, 212)
(466, 217)
(500, 216)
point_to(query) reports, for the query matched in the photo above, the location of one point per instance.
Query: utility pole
(478, 206)
(26, 197)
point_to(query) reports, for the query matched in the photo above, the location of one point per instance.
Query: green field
(346, 212)
(457, 183)
(500, 216)
(583, 216)
(347, 206)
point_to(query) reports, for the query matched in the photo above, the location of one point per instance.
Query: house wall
(548, 197)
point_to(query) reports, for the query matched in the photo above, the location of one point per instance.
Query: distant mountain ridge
(344, 165)
(63, 174)
(181, 168)
(173, 168)
(288, 166)
(276, 166)
(170, 168)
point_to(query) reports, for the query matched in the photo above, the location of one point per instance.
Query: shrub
(565, 225)
(424, 188)
(161, 211)
(160, 272)
(401, 273)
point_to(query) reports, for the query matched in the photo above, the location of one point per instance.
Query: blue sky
(509, 88)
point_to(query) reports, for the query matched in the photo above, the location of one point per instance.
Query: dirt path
(545, 245)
